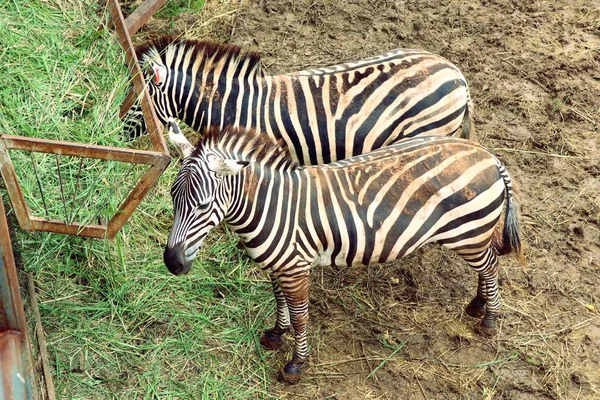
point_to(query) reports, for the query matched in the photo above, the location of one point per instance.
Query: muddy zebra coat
(372, 208)
(322, 114)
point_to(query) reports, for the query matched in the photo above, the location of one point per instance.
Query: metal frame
(158, 162)
(158, 159)
(16, 364)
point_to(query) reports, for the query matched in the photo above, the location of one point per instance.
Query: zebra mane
(248, 145)
(213, 51)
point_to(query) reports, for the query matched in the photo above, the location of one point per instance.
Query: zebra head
(160, 83)
(200, 199)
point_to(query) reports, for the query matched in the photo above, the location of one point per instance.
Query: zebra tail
(467, 125)
(511, 233)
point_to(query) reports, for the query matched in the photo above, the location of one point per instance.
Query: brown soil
(399, 330)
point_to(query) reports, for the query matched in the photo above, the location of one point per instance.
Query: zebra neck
(221, 98)
(264, 204)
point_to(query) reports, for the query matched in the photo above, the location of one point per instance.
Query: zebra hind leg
(272, 338)
(476, 308)
(487, 301)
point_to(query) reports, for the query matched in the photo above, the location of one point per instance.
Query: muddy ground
(399, 330)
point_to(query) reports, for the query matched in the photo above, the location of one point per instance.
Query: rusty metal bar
(16, 364)
(50, 393)
(142, 14)
(75, 228)
(80, 150)
(152, 123)
(135, 197)
(14, 189)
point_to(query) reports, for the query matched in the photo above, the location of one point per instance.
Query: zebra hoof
(476, 308)
(486, 329)
(271, 340)
(290, 374)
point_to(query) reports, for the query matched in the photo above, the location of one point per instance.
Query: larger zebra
(323, 114)
(372, 208)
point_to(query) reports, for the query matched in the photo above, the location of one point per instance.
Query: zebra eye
(203, 206)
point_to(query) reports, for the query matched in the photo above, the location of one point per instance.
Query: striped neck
(259, 197)
(269, 163)
(201, 77)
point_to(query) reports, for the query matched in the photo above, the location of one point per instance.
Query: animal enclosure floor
(399, 330)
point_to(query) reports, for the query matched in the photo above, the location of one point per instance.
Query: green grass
(175, 7)
(64, 78)
(118, 325)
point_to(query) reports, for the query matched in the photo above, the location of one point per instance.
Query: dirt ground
(398, 331)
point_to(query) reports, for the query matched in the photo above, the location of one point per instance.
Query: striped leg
(487, 300)
(476, 307)
(295, 291)
(271, 338)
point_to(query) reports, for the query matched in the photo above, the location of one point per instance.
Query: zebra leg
(476, 308)
(271, 338)
(296, 294)
(486, 265)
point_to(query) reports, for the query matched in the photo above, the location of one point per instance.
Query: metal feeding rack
(158, 159)
(17, 380)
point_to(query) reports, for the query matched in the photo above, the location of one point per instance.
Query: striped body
(323, 114)
(371, 208)
(367, 209)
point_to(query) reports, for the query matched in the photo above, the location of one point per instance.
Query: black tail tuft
(511, 235)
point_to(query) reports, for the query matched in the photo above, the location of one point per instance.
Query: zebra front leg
(295, 290)
(271, 338)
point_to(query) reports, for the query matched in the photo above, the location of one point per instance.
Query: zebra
(322, 114)
(371, 208)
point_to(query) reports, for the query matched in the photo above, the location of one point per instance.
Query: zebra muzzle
(175, 260)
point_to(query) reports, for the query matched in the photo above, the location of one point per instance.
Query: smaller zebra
(367, 209)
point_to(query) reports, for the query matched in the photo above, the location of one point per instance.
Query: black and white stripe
(322, 114)
(371, 208)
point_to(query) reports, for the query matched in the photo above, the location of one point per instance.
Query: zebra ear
(178, 139)
(160, 74)
(226, 167)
